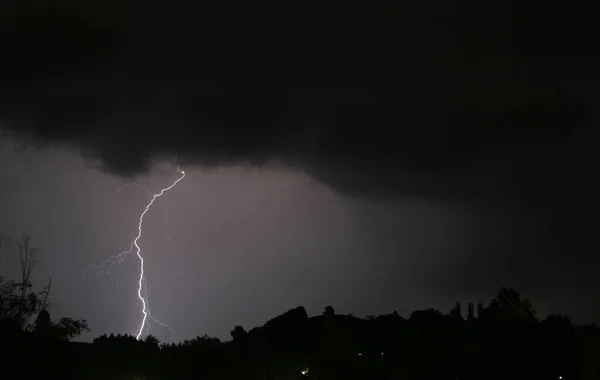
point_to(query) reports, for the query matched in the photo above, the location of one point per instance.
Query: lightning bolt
(143, 291)
(141, 282)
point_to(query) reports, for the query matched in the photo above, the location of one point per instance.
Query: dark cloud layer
(433, 100)
(493, 107)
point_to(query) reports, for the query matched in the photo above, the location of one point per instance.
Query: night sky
(371, 158)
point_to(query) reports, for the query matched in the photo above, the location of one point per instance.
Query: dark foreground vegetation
(501, 339)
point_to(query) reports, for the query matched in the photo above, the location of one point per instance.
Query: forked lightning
(142, 291)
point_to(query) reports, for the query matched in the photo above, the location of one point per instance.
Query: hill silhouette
(503, 340)
(498, 339)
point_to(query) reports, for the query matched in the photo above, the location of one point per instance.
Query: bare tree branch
(28, 262)
(46, 294)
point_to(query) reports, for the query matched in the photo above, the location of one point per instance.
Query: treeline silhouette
(501, 339)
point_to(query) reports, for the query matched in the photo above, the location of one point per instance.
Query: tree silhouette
(28, 301)
(19, 303)
(480, 310)
(456, 312)
(43, 323)
(470, 311)
(427, 315)
(68, 328)
(238, 334)
(151, 339)
(329, 311)
(508, 304)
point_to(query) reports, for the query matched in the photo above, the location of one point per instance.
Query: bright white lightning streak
(118, 258)
(141, 282)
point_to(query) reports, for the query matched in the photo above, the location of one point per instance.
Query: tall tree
(27, 300)
(456, 312)
(480, 310)
(238, 334)
(329, 311)
(46, 294)
(509, 304)
(470, 311)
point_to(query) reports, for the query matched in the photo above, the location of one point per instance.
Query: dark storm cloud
(408, 99)
(494, 108)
